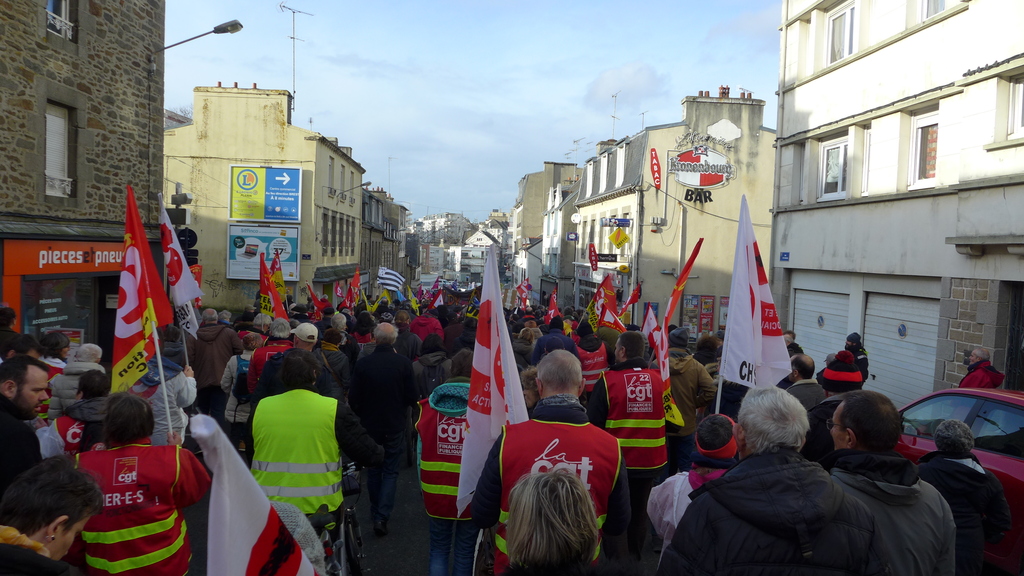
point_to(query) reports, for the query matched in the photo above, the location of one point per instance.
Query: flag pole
(184, 342)
(718, 394)
(163, 380)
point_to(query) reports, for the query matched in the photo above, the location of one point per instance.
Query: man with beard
(23, 385)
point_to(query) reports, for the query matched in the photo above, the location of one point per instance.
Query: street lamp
(229, 27)
(341, 195)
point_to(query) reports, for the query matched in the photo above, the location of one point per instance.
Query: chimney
(253, 85)
(218, 84)
(236, 84)
(723, 91)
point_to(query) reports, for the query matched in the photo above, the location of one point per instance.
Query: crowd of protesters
(798, 478)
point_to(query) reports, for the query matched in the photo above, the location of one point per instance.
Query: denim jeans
(441, 544)
(382, 482)
(212, 401)
(680, 450)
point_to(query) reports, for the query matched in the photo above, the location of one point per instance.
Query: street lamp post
(229, 27)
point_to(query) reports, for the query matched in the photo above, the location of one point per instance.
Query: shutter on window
(56, 141)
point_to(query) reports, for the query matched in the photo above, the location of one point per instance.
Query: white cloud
(635, 82)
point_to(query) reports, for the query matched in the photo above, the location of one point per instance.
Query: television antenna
(615, 102)
(282, 7)
(643, 118)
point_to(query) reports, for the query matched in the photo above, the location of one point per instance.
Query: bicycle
(343, 547)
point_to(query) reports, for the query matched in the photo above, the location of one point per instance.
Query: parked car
(996, 418)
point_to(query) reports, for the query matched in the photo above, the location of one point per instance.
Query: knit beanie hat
(854, 338)
(842, 375)
(450, 398)
(584, 329)
(679, 338)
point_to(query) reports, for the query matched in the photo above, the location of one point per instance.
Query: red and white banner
(141, 303)
(338, 292)
(319, 302)
(655, 169)
(436, 300)
(495, 393)
(523, 290)
(650, 328)
(633, 298)
(244, 530)
(754, 352)
(552, 306)
(183, 287)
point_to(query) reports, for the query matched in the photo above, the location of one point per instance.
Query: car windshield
(923, 418)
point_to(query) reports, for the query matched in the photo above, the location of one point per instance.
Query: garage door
(820, 323)
(899, 335)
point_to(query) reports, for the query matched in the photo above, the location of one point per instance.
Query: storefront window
(64, 304)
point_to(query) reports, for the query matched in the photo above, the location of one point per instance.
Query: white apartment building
(899, 186)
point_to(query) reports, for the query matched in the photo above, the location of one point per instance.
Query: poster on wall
(245, 243)
(266, 193)
(707, 314)
(723, 311)
(691, 314)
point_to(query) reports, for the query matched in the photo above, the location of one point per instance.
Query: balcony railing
(56, 186)
(60, 26)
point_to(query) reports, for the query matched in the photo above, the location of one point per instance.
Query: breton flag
(754, 352)
(495, 393)
(244, 529)
(141, 303)
(184, 288)
(389, 279)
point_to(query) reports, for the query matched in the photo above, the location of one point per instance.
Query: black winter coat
(382, 389)
(19, 449)
(774, 514)
(819, 439)
(18, 561)
(976, 500)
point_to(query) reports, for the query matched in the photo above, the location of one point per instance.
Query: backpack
(241, 388)
(430, 378)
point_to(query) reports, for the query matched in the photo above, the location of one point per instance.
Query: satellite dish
(576, 218)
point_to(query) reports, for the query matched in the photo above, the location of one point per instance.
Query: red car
(997, 419)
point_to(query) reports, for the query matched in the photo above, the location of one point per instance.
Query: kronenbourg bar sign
(701, 167)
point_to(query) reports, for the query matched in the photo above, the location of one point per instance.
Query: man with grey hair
(773, 512)
(974, 494)
(382, 390)
(558, 437)
(980, 371)
(65, 385)
(215, 344)
(913, 518)
(224, 317)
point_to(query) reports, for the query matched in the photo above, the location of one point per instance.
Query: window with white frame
(865, 160)
(1017, 108)
(58, 18)
(841, 24)
(58, 181)
(925, 149)
(930, 8)
(620, 165)
(834, 176)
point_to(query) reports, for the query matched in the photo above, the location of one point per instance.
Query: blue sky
(467, 96)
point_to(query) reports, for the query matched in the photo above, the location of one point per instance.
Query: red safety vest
(636, 416)
(593, 364)
(140, 530)
(441, 461)
(540, 446)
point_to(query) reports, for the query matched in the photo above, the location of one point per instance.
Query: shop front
(66, 286)
(587, 281)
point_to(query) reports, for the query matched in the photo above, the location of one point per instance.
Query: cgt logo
(451, 431)
(639, 392)
(126, 471)
(549, 460)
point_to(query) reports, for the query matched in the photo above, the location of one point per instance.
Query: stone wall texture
(972, 314)
(103, 75)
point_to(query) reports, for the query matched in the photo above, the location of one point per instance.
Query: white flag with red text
(244, 534)
(495, 393)
(183, 287)
(650, 327)
(754, 352)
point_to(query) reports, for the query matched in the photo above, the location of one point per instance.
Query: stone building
(80, 118)
(899, 187)
(646, 199)
(526, 221)
(560, 242)
(263, 185)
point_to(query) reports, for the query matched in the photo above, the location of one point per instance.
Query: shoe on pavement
(380, 527)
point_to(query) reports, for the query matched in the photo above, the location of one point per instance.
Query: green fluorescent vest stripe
(116, 536)
(301, 492)
(638, 443)
(440, 466)
(634, 423)
(138, 561)
(503, 517)
(440, 489)
(317, 468)
(499, 543)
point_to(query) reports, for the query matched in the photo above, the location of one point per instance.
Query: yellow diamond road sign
(619, 237)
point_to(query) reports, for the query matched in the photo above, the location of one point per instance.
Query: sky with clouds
(467, 96)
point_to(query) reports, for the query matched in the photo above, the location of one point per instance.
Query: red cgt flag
(141, 303)
(270, 299)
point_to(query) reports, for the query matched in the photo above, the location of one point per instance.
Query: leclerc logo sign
(701, 167)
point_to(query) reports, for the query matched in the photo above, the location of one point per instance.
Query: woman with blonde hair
(552, 526)
(522, 347)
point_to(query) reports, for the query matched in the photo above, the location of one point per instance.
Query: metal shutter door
(820, 321)
(900, 334)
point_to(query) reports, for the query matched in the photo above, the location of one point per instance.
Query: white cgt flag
(183, 287)
(495, 393)
(754, 352)
(245, 535)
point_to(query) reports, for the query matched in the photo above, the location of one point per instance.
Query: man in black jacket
(774, 512)
(382, 390)
(559, 384)
(23, 383)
